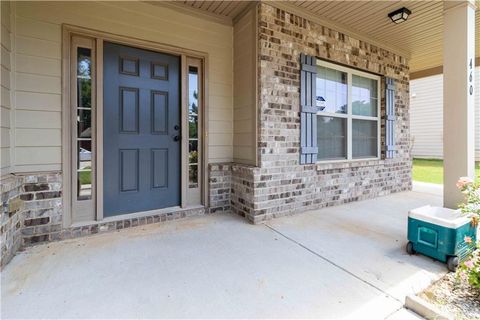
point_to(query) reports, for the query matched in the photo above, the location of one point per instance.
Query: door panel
(141, 122)
(160, 168)
(129, 170)
(159, 101)
(129, 110)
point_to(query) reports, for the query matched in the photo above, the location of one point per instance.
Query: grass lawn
(86, 176)
(430, 170)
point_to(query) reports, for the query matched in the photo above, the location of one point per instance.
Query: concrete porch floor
(341, 262)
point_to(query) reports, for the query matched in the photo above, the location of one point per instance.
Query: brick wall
(281, 185)
(242, 195)
(220, 181)
(11, 218)
(42, 214)
(37, 216)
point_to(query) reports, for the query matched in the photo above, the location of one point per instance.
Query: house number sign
(470, 78)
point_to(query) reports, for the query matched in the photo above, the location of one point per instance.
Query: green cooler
(440, 233)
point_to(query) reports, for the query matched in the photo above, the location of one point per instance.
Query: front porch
(340, 262)
(117, 117)
(260, 108)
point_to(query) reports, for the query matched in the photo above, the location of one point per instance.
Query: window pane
(193, 114)
(84, 123)
(193, 176)
(331, 90)
(193, 151)
(331, 138)
(84, 170)
(193, 102)
(84, 185)
(84, 154)
(364, 96)
(365, 139)
(84, 78)
(193, 126)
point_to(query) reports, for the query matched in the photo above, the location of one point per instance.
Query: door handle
(176, 138)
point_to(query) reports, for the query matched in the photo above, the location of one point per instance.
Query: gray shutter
(389, 118)
(308, 111)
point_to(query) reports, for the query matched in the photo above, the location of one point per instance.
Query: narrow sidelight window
(193, 125)
(83, 127)
(348, 117)
(193, 139)
(84, 123)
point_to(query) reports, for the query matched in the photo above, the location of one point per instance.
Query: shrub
(469, 270)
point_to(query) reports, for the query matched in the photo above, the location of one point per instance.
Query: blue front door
(141, 130)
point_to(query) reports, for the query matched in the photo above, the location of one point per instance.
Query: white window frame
(349, 116)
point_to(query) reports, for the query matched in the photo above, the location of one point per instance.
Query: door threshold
(136, 215)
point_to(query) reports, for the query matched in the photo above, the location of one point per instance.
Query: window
(193, 177)
(83, 136)
(82, 129)
(348, 117)
(193, 160)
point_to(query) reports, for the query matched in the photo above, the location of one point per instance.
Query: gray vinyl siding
(37, 71)
(426, 116)
(5, 86)
(244, 97)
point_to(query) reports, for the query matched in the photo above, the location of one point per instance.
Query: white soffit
(419, 38)
(421, 35)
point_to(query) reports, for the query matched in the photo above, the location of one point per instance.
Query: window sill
(344, 164)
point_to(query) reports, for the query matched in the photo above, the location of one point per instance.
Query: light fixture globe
(400, 15)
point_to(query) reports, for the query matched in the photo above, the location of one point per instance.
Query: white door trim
(67, 147)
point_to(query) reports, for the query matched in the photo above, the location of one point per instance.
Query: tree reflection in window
(84, 78)
(84, 123)
(193, 139)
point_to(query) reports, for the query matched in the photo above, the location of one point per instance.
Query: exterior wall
(220, 181)
(280, 185)
(242, 194)
(426, 102)
(31, 211)
(244, 71)
(42, 207)
(6, 84)
(38, 69)
(11, 219)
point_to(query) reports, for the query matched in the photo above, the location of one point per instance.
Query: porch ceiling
(228, 9)
(420, 37)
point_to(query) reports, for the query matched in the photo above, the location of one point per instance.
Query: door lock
(176, 127)
(176, 138)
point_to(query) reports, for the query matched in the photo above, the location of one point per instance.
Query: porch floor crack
(332, 263)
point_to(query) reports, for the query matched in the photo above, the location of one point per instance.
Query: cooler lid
(444, 217)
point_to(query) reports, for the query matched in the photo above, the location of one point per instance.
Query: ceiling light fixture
(400, 15)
